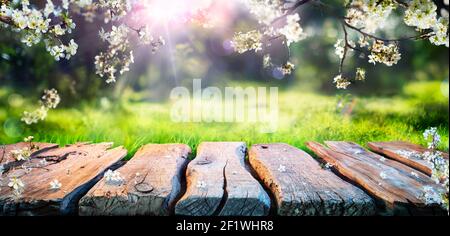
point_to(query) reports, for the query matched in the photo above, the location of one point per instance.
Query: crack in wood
(224, 199)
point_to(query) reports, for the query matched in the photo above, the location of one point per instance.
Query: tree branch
(292, 9)
(6, 20)
(344, 56)
(425, 35)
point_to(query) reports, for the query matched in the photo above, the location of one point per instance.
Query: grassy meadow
(303, 116)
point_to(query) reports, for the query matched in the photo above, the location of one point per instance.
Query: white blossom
(43, 162)
(243, 42)
(287, 68)
(341, 82)
(21, 154)
(433, 137)
(369, 15)
(409, 154)
(431, 196)
(50, 99)
(339, 48)
(282, 168)
(201, 184)
(71, 49)
(386, 54)
(360, 74)
(113, 178)
(34, 116)
(383, 175)
(16, 184)
(55, 185)
(292, 30)
(328, 166)
(440, 173)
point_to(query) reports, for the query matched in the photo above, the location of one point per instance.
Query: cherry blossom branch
(297, 5)
(292, 9)
(425, 35)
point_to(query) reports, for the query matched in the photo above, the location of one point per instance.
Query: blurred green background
(397, 102)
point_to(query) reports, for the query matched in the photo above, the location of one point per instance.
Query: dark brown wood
(76, 167)
(302, 187)
(218, 183)
(152, 184)
(406, 153)
(398, 186)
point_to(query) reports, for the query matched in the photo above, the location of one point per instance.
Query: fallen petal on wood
(76, 168)
(396, 185)
(302, 187)
(152, 184)
(406, 153)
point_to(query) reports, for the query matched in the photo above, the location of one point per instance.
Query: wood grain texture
(6, 157)
(151, 187)
(218, 183)
(399, 150)
(76, 167)
(398, 186)
(302, 188)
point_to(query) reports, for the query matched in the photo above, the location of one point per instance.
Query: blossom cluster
(265, 11)
(243, 42)
(17, 186)
(21, 154)
(422, 14)
(386, 54)
(292, 31)
(341, 82)
(118, 57)
(433, 137)
(369, 15)
(440, 167)
(146, 38)
(49, 100)
(113, 178)
(48, 25)
(115, 9)
(53, 23)
(277, 23)
(278, 19)
(15, 183)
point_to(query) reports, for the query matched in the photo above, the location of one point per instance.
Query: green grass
(304, 116)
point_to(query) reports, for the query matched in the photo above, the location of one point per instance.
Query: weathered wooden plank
(218, 183)
(302, 187)
(406, 153)
(7, 158)
(398, 186)
(76, 167)
(152, 184)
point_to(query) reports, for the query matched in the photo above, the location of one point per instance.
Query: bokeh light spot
(13, 128)
(445, 88)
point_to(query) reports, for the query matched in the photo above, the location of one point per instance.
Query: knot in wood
(203, 162)
(143, 188)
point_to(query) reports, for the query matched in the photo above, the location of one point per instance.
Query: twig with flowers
(363, 17)
(440, 167)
